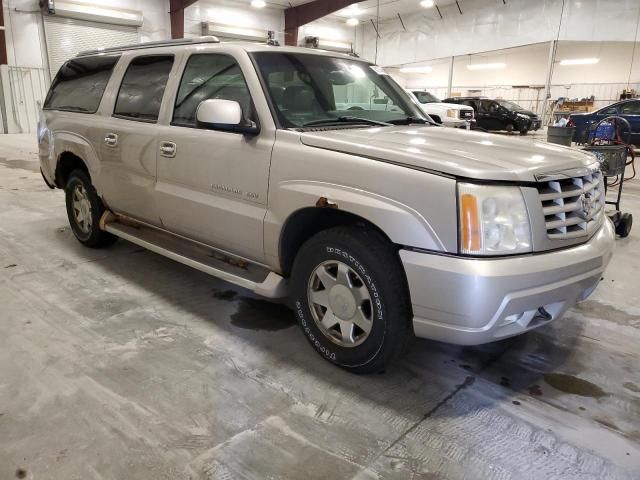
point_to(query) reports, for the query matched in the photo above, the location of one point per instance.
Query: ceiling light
(486, 66)
(427, 3)
(352, 11)
(425, 69)
(258, 3)
(579, 61)
(353, 21)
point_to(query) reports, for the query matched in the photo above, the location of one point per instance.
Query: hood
(456, 152)
(526, 112)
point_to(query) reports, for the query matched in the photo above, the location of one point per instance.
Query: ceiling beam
(295, 17)
(176, 15)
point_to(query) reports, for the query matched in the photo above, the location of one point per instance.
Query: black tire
(509, 127)
(91, 235)
(623, 227)
(375, 259)
(524, 132)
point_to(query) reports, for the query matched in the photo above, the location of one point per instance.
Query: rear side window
(142, 88)
(80, 84)
(210, 76)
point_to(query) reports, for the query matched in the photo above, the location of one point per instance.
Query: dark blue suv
(628, 109)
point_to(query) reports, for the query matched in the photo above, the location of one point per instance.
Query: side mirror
(225, 115)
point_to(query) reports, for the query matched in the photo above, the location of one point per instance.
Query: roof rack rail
(156, 44)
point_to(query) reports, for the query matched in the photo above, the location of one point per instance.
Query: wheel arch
(306, 222)
(73, 151)
(316, 206)
(67, 163)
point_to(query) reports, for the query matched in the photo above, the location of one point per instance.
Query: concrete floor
(121, 364)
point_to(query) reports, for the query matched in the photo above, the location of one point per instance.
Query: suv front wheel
(351, 298)
(84, 209)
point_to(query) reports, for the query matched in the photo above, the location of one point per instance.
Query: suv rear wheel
(351, 298)
(84, 209)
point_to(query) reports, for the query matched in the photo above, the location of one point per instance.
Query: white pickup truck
(448, 114)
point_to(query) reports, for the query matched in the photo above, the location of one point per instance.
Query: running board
(234, 270)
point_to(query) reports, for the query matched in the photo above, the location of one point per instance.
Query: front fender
(402, 224)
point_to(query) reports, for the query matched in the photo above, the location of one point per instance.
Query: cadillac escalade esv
(237, 159)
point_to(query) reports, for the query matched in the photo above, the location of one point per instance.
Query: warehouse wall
(25, 36)
(233, 14)
(487, 26)
(528, 66)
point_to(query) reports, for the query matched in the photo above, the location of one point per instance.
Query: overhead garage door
(66, 37)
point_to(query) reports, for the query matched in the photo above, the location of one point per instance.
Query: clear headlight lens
(453, 113)
(493, 220)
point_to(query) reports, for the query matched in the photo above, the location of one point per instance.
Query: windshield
(512, 107)
(307, 89)
(426, 97)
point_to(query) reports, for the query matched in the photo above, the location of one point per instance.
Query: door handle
(111, 139)
(168, 149)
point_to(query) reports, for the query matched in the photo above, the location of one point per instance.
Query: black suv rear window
(80, 83)
(142, 88)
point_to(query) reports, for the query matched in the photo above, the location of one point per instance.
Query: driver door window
(210, 76)
(631, 108)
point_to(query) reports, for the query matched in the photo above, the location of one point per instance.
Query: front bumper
(456, 122)
(472, 301)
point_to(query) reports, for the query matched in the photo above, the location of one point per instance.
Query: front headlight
(522, 115)
(453, 113)
(493, 220)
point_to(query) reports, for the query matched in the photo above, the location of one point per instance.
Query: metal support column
(450, 82)
(547, 84)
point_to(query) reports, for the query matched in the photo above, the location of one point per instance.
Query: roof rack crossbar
(156, 44)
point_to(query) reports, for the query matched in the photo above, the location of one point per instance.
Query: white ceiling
(368, 8)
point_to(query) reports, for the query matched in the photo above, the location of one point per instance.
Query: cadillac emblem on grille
(584, 206)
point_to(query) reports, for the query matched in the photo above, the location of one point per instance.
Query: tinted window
(631, 108)
(80, 83)
(608, 111)
(209, 76)
(426, 97)
(142, 88)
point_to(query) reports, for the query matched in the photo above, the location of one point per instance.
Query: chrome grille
(572, 206)
(466, 114)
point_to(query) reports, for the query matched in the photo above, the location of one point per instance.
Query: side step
(206, 259)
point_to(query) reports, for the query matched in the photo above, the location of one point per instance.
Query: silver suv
(313, 175)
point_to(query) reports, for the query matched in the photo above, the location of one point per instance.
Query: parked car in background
(628, 109)
(499, 114)
(448, 114)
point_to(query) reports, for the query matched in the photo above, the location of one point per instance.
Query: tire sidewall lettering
(301, 306)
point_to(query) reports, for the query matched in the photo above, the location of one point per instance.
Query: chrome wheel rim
(81, 208)
(340, 303)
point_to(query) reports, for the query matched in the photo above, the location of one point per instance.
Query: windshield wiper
(409, 120)
(345, 119)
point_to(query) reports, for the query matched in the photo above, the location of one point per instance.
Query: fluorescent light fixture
(579, 61)
(486, 66)
(353, 21)
(352, 11)
(427, 3)
(425, 69)
(98, 14)
(258, 3)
